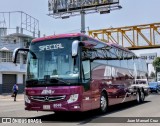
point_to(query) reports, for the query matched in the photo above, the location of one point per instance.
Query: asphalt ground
(150, 108)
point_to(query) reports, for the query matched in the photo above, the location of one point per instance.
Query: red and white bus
(74, 72)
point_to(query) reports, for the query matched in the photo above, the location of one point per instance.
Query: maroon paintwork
(59, 36)
(118, 89)
(58, 91)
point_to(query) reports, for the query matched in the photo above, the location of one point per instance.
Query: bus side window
(86, 68)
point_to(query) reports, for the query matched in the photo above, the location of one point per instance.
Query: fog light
(76, 107)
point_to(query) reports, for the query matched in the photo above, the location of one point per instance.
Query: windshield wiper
(61, 80)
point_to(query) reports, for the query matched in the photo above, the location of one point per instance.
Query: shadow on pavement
(85, 117)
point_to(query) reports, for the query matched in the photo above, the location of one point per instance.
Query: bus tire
(142, 96)
(103, 103)
(138, 97)
(158, 92)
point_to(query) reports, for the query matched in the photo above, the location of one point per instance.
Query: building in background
(12, 36)
(149, 55)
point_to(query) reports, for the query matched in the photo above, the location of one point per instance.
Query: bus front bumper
(54, 106)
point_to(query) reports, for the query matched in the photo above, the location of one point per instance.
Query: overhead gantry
(133, 37)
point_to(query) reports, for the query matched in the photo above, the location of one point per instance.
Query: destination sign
(51, 47)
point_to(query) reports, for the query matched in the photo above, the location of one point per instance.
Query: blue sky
(134, 12)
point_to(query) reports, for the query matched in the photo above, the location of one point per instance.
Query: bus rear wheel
(138, 97)
(142, 96)
(103, 103)
(158, 92)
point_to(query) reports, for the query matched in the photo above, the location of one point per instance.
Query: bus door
(87, 94)
(92, 94)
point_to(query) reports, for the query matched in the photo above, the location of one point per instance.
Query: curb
(11, 99)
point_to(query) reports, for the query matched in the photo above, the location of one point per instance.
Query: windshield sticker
(50, 47)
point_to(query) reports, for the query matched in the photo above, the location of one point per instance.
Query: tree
(152, 75)
(156, 63)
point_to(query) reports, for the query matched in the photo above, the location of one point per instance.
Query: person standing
(15, 91)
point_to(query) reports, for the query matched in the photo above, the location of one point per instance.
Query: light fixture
(105, 12)
(65, 17)
(120, 7)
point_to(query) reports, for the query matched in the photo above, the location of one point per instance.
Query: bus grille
(48, 98)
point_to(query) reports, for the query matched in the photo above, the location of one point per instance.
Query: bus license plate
(46, 107)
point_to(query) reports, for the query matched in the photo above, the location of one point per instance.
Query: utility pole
(83, 22)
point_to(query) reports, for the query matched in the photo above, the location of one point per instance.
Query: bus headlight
(73, 98)
(27, 99)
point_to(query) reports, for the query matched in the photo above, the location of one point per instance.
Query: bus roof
(58, 36)
(77, 35)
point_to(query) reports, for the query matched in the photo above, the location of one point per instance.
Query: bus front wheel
(103, 103)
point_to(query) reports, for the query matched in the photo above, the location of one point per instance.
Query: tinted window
(130, 64)
(53, 59)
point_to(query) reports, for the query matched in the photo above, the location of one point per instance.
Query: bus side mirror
(75, 45)
(15, 53)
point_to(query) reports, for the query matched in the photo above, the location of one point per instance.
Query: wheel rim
(103, 103)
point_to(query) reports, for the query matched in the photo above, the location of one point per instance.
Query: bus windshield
(53, 63)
